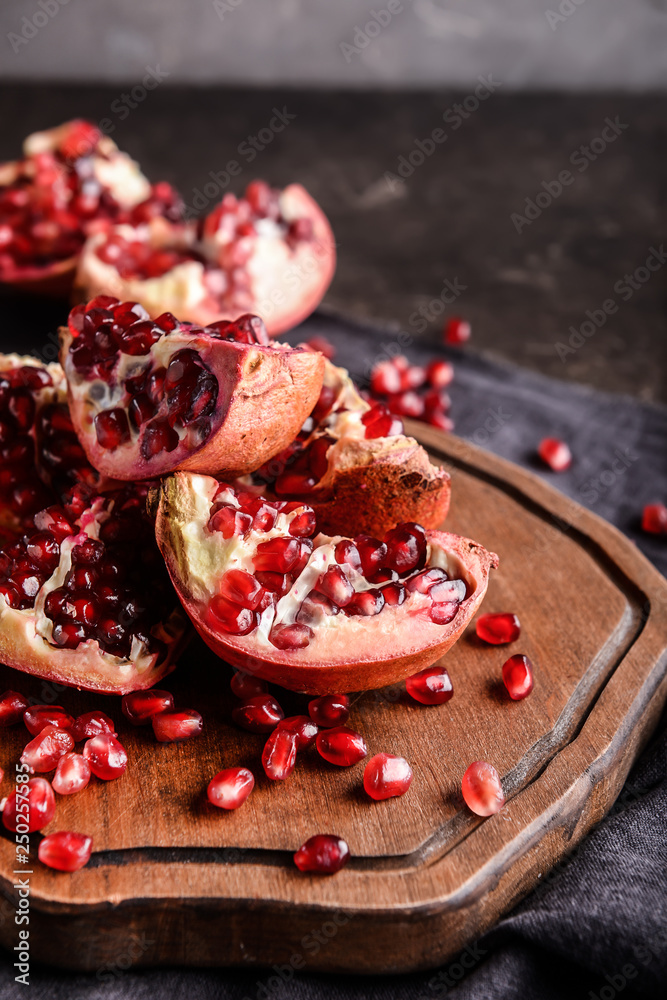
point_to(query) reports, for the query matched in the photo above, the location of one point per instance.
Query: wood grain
(426, 876)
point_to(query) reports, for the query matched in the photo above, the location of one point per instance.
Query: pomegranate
(333, 614)
(140, 706)
(72, 181)
(260, 714)
(432, 686)
(387, 776)
(173, 726)
(65, 851)
(106, 756)
(456, 331)
(230, 788)
(341, 746)
(654, 519)
(555, 454)
(518, 676)
(355, 467)
(149, 397)
(499, 629)
(12, 707)
(84, 596)
(37, 717)
(72, 774)
(270, 252)
(330, 710)
(482, 790)
(43, 753)
(33, 805)
(323, 854)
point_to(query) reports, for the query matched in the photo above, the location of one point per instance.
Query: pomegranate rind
(265, 394)
(366, 653)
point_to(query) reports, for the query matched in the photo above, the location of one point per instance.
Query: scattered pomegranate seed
(72, 774)
(324, 854)
(260, 714)
(482, 790)
(106, 756)
(387, 776)
(37, 717)
(498, 629)
(41, 806)
(330, 710)
(246, 686)
(385, 379)
(230, 788)
(438, 418)
(431, 686)
(279, 755)
(302, 727)
(12, 707)
(457, 331)
(412, 377)
(65, 851)
(322, 345)
(654, 519)
(140, 706)
(44, 752)
(440, 374)
(92, 724)
(555, 454)
(518, 676)
(170, 727)
(341, 746)
(407, 404)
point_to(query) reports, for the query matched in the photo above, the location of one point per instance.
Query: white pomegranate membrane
(267, 575)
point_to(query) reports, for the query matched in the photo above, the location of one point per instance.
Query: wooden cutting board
(174, 881)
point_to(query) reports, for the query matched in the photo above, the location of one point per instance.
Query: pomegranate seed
(431, 686)
(303, 524)
(112, 428)
(412, 377)
(41, 806)
(245, 686)
(443, 614)
(92, 724)
(241, 588)
(279, 754)
(406, 548)
(518, 676)
(293, 636)
(555, 454)
(323, 854)
(65, 851)
(106, 756)
(278, 555)
(12, 707)
(423, 581)
(366, 602)
(232, 618)
(440, 374)
(654, 519)
(445, 591)
(330, 710)
(140, 706)
(456, 331)
(341, 746)
(482, 790)
(230, 788)
(44, 752)
(37, 717)
(322, 345)
(230, 522)
(302, 727)
(260, 714)
(394, 594)
(380, 422)
(372, 553)
(436, 401)
(407, 404)
(72, 774)
(347, 552)
(438, 418)
(387, 776)
(385, 379)
(498, 629)
(172, 726)
(336, 586)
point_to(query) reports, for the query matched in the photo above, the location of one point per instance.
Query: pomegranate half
(150, 397)
(317, 614)
(270, 252)
(353, 464)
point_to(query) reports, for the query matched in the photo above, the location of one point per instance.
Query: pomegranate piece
(330, 710)
(106, 756)
(456, 331)
(72, 774)
(279, 754)
(12, 707)
(172, 726)
(259, 714)
(482, 790)
(555, 454)
(498, 629)
(440, 374)
(323, 854)
(40, 809)
(246, 686)
(518, 676)
(387, 776)
(341, 746)
(432, 686)
(92, 724)
(654, 519)
(37, 717)
(65, 851)
(141, 706)
(302, 727)
(230, 788)
(43, 753)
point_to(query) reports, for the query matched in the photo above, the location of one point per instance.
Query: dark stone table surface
(460, 216)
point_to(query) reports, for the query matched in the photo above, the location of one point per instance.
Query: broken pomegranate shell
(150, 397)
(353, 464)
(384, 627)
(270, 252)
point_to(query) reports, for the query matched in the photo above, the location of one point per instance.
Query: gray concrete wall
(409, 43)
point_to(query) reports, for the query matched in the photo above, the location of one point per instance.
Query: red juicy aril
(72, 774)
(341, 746)
(330, 710)
(518, 676)
(230, 788)
(177, 725)
(270, 252)
(654, 519)
(44, 752)
(330, 614)
(149, 397)
(87, 601)
(323, 854)
(387, 776)
(355, 467)
(259, 714)
(73, 180)
(37, 717)
(432, 686)
(482, 790)
(140, 706)
(498, 629)
(33, 804)
(106, 756)
(12, 707)
(65, 851)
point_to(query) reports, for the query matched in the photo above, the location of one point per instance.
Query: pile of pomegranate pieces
(406, 390)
